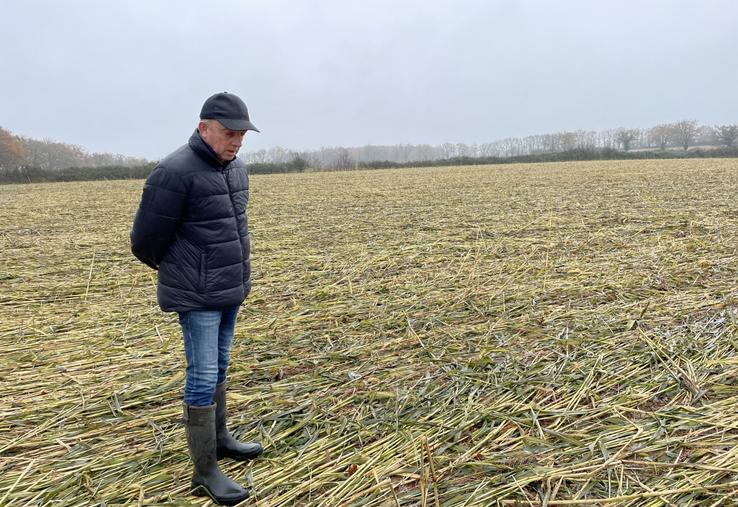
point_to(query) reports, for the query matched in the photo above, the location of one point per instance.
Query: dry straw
(560, 334)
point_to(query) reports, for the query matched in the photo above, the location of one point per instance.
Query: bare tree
(625, 137)
(661, 136)
(279, 155)
(727, 135)
(705, 136)
(685, 132)
(344, 160)
(448, 150)
(568, 140)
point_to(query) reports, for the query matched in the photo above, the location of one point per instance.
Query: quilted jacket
(191, 226)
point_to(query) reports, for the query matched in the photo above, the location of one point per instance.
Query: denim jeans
(207, 342)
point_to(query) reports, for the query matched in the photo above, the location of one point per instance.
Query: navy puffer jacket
(191, 225)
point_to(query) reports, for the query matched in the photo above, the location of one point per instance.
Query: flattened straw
(23, 474)
(504, 333)
(432, 471)
(89, 276)
(648, 494)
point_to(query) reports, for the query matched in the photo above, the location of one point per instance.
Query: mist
(130, 77)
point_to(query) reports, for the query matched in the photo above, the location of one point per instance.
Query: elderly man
(192, 227)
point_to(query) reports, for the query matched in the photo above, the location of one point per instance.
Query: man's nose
(238, 140)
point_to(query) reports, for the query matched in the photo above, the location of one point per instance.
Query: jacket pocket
(203, 271)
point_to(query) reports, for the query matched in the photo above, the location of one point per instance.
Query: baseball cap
(229, 110)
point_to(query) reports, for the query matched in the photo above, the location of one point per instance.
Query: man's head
(224, 120)
(224, 142)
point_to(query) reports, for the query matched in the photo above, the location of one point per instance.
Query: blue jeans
(207, 342)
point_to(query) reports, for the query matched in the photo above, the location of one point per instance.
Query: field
(554, 334)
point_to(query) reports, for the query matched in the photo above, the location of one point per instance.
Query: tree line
(683, 135)
(29, 160)
(47, 155)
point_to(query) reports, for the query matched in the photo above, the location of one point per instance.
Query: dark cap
(229, 110)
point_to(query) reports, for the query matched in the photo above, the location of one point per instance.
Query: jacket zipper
(235, 213)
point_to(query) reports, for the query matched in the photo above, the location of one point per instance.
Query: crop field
(552, 334)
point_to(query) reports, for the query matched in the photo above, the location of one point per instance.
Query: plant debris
(544, 334)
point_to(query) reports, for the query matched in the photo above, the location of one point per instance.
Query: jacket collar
(205, 152)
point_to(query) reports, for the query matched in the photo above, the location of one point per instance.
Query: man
(192, 227)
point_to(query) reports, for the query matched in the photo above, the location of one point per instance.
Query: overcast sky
(130, 77)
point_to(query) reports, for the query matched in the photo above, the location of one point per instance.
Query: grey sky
(129, 77)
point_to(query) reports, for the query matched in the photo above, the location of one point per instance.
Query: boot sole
(202, 490)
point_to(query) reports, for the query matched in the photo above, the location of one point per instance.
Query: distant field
(552, 334)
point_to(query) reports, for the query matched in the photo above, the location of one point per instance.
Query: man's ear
(202, 127)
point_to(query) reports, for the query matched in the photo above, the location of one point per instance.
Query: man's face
(224, 142)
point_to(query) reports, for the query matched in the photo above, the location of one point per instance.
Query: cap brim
(237, 124)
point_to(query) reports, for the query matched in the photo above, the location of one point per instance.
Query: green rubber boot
(229, 447)
(208, 479)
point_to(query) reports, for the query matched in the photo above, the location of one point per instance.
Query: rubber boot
(229, 447)
(208, 479)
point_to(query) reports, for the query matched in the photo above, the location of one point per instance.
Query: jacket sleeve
(162, 204)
